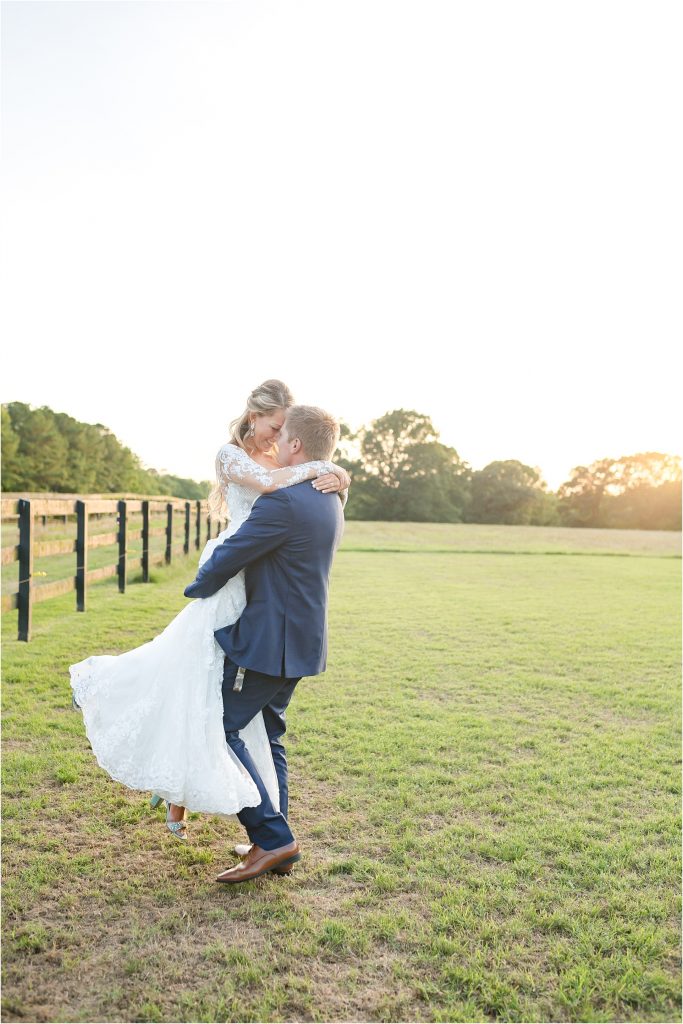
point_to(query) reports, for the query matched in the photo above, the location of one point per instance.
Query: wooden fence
(134, 514)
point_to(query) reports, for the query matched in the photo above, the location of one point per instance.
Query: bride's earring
(251, 432)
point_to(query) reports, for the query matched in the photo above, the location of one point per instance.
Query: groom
(286, 545)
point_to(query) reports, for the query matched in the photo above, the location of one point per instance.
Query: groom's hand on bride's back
(212, 575)
(209, 578)
(198, 588)
(202, 586)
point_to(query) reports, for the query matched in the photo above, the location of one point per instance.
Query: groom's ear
(295, 445)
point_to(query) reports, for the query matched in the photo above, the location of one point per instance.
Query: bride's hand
(331, 483)
(328, 483)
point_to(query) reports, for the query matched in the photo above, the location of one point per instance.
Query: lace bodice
(242, 479)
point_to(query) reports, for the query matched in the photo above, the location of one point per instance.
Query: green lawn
(485, 784)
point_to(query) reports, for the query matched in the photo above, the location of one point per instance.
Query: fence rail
(133, 515)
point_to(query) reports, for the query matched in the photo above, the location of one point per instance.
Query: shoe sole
(284, 868)
(287, 867)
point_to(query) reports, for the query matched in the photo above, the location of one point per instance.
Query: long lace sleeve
(233, 464)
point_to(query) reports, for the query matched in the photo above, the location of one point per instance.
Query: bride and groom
(197, 715)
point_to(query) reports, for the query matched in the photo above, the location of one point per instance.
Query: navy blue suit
(286, 546)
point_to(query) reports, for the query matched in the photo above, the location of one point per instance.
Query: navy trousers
(265, 826)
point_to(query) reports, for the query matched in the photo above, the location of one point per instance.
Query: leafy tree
(347, 453)
(386, 444)
(180, 487)
(433, 485)
(508, 492)
(635, 491)
(645, 508)
(647, 469)
(11, 463)
(581, 496)
(41, 455)
(401, 471)
(545, 511)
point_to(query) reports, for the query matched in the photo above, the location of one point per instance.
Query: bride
(154, 715)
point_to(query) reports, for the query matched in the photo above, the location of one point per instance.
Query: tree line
(400, 468)
(44, 450)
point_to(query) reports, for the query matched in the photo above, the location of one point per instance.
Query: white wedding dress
(154, 715)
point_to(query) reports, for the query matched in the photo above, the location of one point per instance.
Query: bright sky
(470, 208)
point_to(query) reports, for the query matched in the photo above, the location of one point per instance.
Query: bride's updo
(268, 397)
(271, 396)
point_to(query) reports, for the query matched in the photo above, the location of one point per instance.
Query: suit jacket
(286, 546)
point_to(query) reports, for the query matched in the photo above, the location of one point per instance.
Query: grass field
(485, 784)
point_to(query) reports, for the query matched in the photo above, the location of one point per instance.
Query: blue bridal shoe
(178, 828)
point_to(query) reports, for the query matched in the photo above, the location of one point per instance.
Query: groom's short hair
(317, 430)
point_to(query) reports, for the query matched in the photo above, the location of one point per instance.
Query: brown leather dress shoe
(259, 862)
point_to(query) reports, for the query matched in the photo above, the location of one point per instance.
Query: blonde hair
(268, 397)
(317, 430)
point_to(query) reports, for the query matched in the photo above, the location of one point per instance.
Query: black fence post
(123, 524)
(169, 532)
(186, 545)
(25, 569)
(145, 542)
(198, 538)
(208, 527)
(81, 553)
